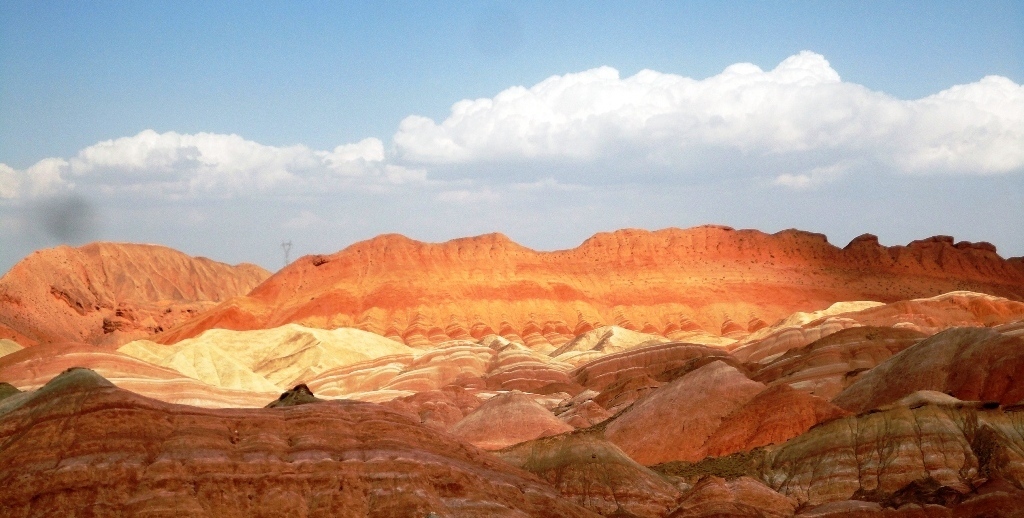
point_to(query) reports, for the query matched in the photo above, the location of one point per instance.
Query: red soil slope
(112, 292)
(709, 278)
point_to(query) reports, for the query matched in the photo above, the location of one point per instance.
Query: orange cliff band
(673, 282)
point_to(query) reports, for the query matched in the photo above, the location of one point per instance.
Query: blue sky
(322, 75)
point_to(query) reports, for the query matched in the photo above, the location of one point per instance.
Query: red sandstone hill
(112, 292)
(709, 278)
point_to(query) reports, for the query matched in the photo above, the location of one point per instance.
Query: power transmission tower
(287, 247)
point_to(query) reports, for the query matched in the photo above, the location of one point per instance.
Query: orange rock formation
(774, 416)
(715, 279)
(675, 421)
(112, 292)
(679, 373)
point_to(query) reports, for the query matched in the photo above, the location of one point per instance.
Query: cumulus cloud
(977, 127)
(10, 182)
(41, 179)
(174, 165)
(799, 112)
(797, 125)
(816, 176)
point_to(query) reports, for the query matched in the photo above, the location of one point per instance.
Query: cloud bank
(172, 165)
(799, 115)
(796, 126)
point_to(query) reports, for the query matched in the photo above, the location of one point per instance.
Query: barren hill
(112, 292)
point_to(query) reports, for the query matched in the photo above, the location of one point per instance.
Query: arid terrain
(700, 372)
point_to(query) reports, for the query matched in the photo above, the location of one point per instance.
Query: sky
(224, 129)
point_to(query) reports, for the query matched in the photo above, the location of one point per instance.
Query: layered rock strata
(914, 454)
(827, 366)
(592, 472)
(508, 419)
(705, 279)
(33, 367)
(976, 364)
(674, 422)
(80, 445)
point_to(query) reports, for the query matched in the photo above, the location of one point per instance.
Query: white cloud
(814, 177)
(352, 159)
(10, 182)
(174, 165)
(399, 175)
(798, 125)
(41, 179)
(977, 127)
(801, 111)
(796, 181)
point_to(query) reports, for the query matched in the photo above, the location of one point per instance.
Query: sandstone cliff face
(712, 411)
(439, 409)
(602, 341)
(929, 454)
(1012, 328)
(933, 314)
(675, 402)
(112, 292)
(8, 347)
(97, 449)
(674, 350)
(662, 362)
(710, 279)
